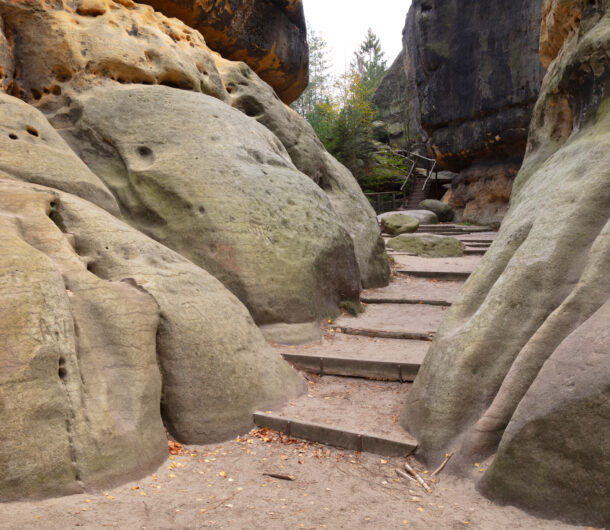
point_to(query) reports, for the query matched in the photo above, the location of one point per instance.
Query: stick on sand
(442, 466)
(418, 478)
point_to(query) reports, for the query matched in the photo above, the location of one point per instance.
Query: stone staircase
(360, 373)
(417, 195)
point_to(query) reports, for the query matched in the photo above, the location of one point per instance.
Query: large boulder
(443, 211)
(93, 314)
(399, 223)
(132, 44)
(519, 369)
(429, 245)
(425, 217)
(256, 99)
(79, 383)
(472, 77)
(269, 36)
(227, 197)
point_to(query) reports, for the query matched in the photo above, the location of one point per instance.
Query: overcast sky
(343, 24)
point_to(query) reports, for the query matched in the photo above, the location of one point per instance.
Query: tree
(369, 61)
(318, 90)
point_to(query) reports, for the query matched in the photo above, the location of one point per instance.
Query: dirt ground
(224, 486)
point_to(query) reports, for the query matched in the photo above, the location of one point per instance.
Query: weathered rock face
(79, 382)
(31, 150)
(90, 311)
(521, 365)
(256, 99)
(228, 198)
(396, 99)
(132, 44)
(100, 324)
(270, 36)
(472, 76)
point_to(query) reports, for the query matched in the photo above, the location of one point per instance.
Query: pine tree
(369, 61)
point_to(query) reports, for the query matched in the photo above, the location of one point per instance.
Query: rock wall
(148, 190)
(473, 75)
(270, 36)
(519, 373)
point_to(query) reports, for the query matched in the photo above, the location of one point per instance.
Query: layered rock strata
(519, 371)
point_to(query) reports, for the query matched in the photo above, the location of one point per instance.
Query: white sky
(343, 24)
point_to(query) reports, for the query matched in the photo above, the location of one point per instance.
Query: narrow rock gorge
(466, 83)
(519, 373)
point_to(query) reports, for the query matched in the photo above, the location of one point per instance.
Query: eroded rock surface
(31, 150)
(256, 99)
(504, 375)
(132, 44)
(228, 198)
(91, 310)
(269, 36)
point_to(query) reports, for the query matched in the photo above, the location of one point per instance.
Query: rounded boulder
(399, 223)
(428, 245)
(443, 211)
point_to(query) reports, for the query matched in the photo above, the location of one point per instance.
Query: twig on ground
(442, 466)
(404, 475)
(421, 481)
(281, 477)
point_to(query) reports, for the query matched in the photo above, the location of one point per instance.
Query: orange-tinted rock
(269, 36)
(560, 18)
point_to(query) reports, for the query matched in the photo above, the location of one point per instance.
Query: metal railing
(411, 157)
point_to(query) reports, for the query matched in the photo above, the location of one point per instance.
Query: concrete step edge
(436, 275)
(346, 367)
(324, 434)
(383, 334)
(411, 301)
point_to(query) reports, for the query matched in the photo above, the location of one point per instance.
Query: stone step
(474, 251)
(404, 290)
(436, 275)
(394, 321)
(346, 367)
(454, 269)
(477, 244)
(354, 414)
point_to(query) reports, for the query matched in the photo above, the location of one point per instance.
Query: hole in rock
(32, 131)
(144, 151)
(62, 372)
(201, 209)
(13, 136)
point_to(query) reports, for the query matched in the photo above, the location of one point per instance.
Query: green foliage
(343, 115)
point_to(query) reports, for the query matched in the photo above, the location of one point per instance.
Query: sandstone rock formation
(228, 199)
(108, 335)
(91, 312)
(399, 223)
(521, 366)
(472, 77)
(430, 245)
(441, 210)
(99, 51)
(251, 96)
(270, 36)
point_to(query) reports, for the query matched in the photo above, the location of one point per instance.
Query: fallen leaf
(222, 474)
